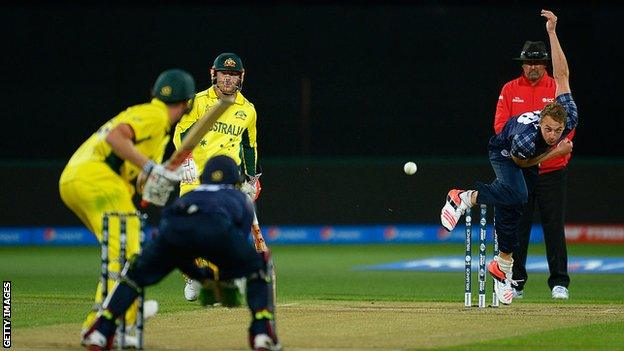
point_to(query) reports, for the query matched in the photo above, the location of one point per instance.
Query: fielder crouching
(213, 222)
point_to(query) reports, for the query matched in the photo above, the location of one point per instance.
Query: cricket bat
(262, 247)
(195, 135)
(197, 132)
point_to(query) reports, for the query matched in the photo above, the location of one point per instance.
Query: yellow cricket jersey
(234, 134)
(150, 123)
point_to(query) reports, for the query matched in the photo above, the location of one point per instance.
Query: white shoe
(518, 294)
(131, 341)
(453, 209)
(191, 290)
(150, 308)
(263, 342)
(560, 293)
(95, 338)
(501, 271)
(504, 291)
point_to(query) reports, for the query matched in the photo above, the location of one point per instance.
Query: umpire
(213, 222)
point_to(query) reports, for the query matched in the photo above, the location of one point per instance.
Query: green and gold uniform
(234, 134)
(95, 180)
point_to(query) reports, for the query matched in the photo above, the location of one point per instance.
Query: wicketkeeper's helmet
(174, 85)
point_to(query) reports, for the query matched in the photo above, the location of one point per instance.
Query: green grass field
(324, 304)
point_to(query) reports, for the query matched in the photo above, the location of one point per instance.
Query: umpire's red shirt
(519, 96)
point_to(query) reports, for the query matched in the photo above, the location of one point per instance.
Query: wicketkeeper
(212, 221)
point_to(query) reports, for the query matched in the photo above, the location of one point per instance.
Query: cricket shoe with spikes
(130, 342)
(263, 342)
(500, 270)
(560, 293)
(94, 340)
(150, 308)
(457, 202)
(191, 289)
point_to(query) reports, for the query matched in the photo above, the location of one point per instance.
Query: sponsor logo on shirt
(517, 99)
(548, 100)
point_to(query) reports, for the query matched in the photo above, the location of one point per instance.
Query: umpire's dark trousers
(548, 192)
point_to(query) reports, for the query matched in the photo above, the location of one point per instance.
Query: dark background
(387, 84)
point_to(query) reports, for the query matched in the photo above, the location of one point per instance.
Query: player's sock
(466, 197)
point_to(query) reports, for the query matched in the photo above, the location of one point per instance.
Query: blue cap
(221, 170)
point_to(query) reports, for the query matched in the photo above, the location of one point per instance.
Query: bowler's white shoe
(191, 289)
(560, 293)
(504, 291)
(518, 294)
(263, 342)
(500, 270)
(455, 206)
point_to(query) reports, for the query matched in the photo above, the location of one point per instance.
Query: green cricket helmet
(174, 85)
(227, 61)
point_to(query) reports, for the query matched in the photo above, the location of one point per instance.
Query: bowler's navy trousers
(508, 193)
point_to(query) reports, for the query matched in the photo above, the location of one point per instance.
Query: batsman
(100, 175)
(234, 134)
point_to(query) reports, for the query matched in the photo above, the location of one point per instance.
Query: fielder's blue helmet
(221, 170)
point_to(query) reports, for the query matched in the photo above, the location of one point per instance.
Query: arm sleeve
(569, 105)
(502, 110)
(249, 148)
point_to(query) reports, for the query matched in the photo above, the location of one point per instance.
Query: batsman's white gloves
(189, 171)
(252, 187)
(159, 184)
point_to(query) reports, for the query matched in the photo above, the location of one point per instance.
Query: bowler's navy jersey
(521, 136)
(215, 198)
